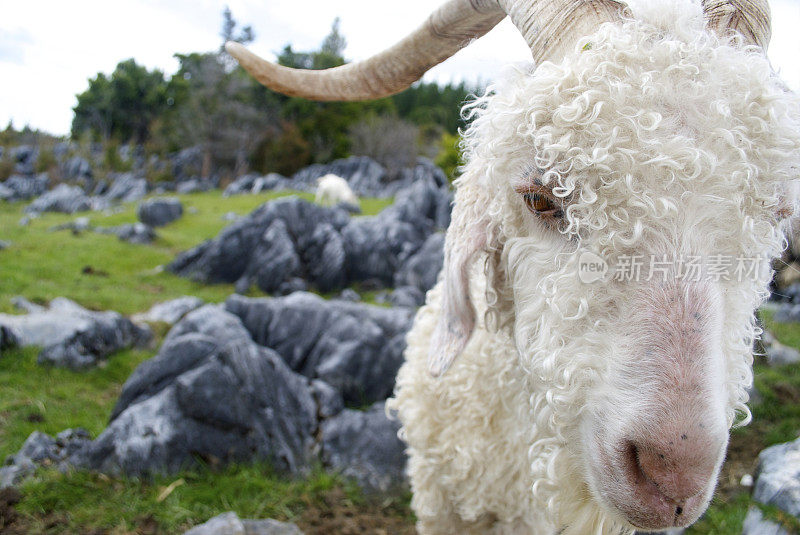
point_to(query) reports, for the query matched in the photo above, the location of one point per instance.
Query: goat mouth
(628, 488)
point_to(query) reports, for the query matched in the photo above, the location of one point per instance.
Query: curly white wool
(332, 189)
(669, 140)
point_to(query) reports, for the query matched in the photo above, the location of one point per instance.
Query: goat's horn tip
(234, 49)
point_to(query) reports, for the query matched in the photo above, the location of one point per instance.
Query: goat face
(629, 221)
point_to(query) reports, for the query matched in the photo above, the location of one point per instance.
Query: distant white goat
(332, 189)
(611, 237)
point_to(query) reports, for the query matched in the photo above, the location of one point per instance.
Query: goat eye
(541, 205)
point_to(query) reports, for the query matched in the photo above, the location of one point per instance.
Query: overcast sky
(49, 49)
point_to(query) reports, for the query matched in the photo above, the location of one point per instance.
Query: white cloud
(51, 48)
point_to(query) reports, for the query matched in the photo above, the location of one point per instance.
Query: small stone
(756, 524)
(230, 524)
(159, 211)
(170, 311)
(348, 294)
(224, 524)
(779, 354)
(778, 480)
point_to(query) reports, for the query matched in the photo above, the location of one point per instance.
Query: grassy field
(102, 272)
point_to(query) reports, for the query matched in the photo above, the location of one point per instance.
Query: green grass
(87, 501)
(47, 399)
(43, 264)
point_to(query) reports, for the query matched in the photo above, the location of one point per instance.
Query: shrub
(284, 153)
(388, 140)
(449, 158)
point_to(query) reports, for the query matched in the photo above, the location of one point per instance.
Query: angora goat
(332, 189)
(610, 240)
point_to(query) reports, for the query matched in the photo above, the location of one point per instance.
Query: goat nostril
(678, 511)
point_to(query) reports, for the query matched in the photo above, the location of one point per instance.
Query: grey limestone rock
(170, 311)
(355, 348)
(230, 524)
(62, 198)
(41, 449)
(365, 446)
(171, 410)
(73, 336)
(778, 477)
(20, 188)
(756, 524)
(159, 211)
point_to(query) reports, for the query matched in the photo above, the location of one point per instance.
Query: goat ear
(466, 237)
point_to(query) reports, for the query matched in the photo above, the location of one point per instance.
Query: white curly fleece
(665, 140)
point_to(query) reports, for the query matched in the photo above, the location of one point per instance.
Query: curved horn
(750, 18)
(550, 28)
(449, 29)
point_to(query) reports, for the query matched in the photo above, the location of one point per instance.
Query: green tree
(334, 43)
(123, 105)
(228, 33)
(450, 158)
(218, 111)
(431, 104)
(325, 125)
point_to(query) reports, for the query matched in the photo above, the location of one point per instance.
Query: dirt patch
(90, 270)
(742, 458)
(9, 497)
(377, 515)
(786, 393)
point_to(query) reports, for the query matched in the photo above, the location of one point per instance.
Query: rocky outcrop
(777, 484)
(40, 449)
(778, 477)
(171, 409)
(22, 188)
(160, 211)
(422, 268)
(7, 338)
(363, 445)
(63, 198)
(368, 178)
(77, 168)
(756, 524)
(170, 311)
(24, 158)
(290, 240)
(777, 354)
(131, 232)
(355, 348)
(266, 248)
(72, 336)
(259, 379)
(125, 187)
(252, 183)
